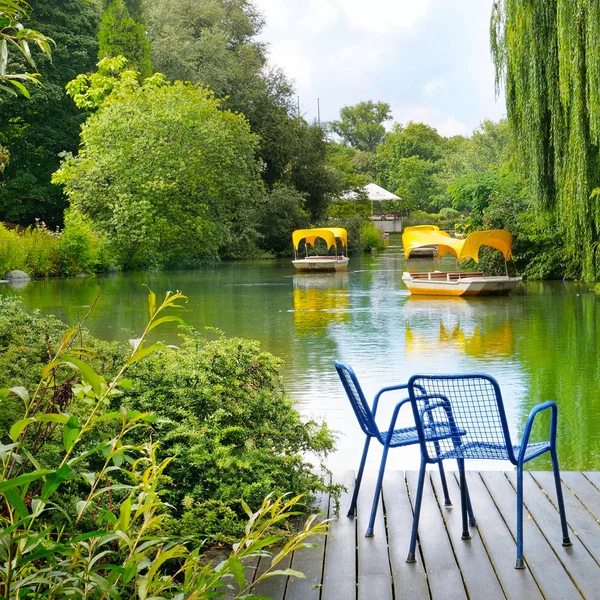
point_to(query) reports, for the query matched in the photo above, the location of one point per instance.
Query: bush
(370, 238)
(231, 428)
(123, 550)
(81, 249)
(33, 250)
(224, 417)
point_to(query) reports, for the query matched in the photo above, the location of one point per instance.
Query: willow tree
(547, 54)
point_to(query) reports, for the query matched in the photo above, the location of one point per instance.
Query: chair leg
(559, 497)
(415, 528)
(464, 499)
(377, 492)
(447, 501)
(520, 563)
(357, 482)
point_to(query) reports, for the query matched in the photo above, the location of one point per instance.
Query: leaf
(284, 572)
(21, 392)
(87, 372)
(24, 91)
(9, 484)
(17, 428)
(50, 367)
(3, 57)
(71, 433)
(151, 302)
(54, 480)
(125, 514)
(16, 503)
(237, 570)
(68, 337)
(142, 352)
(167, 319)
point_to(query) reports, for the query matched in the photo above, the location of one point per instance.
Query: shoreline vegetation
(123, 464)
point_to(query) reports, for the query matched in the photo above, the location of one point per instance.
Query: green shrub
(12, 253)
(231, 428)
(41, 250)
(225, 418)
(370, 238)
(81, 249)
(124, 550)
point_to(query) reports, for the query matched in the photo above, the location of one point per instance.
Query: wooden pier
(348, 566)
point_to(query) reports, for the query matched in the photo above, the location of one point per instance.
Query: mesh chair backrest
(477, 410)
(357, 399)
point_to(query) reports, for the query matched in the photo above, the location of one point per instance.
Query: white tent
(377, 193)
(374, 193)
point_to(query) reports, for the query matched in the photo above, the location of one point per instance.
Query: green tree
(548, 57)
(35, 132)
(168, 177)
(361, 125)
(408, 162)
(308, 169)
(121, 35)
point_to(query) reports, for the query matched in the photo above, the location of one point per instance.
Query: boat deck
(443, 276)
(348, 566)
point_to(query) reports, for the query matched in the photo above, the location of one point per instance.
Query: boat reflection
(320, 300)
(477, 329)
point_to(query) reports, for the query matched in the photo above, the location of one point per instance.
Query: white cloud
(384, 16)
(319, 17)
(447, 125)
(297, 65)
(433, 87)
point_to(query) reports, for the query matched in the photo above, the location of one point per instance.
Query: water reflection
(320, 300)
(450, 325)
(540, 343)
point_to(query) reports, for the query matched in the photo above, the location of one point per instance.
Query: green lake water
(541, 343)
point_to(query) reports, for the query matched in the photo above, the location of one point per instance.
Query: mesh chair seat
(490, 451)
(408, 435)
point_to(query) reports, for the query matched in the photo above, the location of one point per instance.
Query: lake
(541, 343)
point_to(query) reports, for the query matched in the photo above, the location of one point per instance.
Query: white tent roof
(373, 192)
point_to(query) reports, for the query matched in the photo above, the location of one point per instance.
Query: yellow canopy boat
(330, 235)
(457, 284)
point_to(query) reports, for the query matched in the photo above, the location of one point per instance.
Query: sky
(428, 59)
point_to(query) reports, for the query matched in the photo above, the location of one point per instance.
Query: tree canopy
(361, 125)
(547, 54)
(36, 131)
(121, 35)
(167, 176)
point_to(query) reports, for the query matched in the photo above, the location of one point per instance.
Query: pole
(298, 106)
(319, 111)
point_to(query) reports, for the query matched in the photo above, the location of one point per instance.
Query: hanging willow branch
(547, 55)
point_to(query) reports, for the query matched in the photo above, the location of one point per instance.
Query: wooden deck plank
(445, 580)
(339, 579)
(587, 493)
(309, 561)
(577, 560)
(549, 574)
(472, 558)
(499, 543)
(594, 477)
(374, 575)
(410, 580)
(273, 587)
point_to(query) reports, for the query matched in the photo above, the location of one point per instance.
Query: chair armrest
(397, 408)
(529, 425)
(391, 388)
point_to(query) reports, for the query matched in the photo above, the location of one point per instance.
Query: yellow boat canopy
(328, 234)
(430, 235)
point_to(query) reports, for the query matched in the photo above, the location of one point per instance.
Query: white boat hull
(458, 284)
(321, 263)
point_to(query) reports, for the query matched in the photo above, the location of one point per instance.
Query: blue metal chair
(472, 407)
(392, 438)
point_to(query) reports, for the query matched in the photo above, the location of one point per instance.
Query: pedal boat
(321, 263)
(438, 283)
